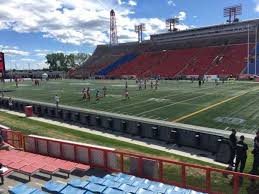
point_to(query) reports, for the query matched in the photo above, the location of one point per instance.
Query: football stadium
(173, 113)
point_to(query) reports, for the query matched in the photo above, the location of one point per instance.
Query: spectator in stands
(5, 146)
(56, 100)
(241, 154)
(233, 144)
(255, 152)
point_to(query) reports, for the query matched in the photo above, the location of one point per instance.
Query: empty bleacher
(125, 59)
(215, 60)
(233, 60)
(110, 184)
(30, 164)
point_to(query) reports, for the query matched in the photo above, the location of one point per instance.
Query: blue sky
(30, 29)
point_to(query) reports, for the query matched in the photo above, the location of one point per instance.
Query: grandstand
(223, 50)
(106, 170)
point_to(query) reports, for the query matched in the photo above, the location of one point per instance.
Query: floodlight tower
(232, 12)
(139, 29)
(113, 28)
(171, 24)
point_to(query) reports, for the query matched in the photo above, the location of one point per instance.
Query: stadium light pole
(113, 28)
(172, 22)
(232, 12)
(139, 29)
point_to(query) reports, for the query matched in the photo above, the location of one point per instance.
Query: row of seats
(226, 59)
(30, 164)
(110, 184)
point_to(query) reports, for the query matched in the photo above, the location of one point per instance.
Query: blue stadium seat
(158, 187)
(142, 184)
(113, 191)
(21, 189)
(95, 187)
(122, 175)
(89, 192)
(78, 183)
(69, 190)
(144, 191)
(111, 177)
(111, 183)
(181, 190)
(128, 188)
(195, 192)
(172, 191)
(125, 180)
(38, 192)
(134, 178)
(94, 179)
(52, 186)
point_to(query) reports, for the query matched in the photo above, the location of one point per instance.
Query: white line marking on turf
(170, 104)
(142, 101)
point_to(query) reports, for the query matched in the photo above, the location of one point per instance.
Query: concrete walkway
(183, 151)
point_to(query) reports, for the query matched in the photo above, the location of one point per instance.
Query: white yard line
(161, 107)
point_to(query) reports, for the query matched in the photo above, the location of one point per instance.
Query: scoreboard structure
(2, 65)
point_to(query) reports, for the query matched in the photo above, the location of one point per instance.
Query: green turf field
(232, 104)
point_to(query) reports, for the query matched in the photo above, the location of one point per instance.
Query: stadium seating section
(30, 164)
(110, 184)
(216, 60)
(212, 60)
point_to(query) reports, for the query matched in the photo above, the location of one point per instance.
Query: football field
(232, 104)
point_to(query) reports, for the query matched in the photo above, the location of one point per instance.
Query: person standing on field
(126, 94)
(104, 91)
(56, 100)
(255, 152)
(233, 144)
(88, 94)
(241, 154)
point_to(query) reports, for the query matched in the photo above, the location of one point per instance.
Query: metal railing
(190, 176)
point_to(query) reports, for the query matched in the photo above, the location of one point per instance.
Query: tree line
(64, 62)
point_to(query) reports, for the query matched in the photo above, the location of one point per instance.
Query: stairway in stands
(232, 62)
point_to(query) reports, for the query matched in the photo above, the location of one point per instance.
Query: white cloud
(27, 60)
(256, 5)
(171, 3)
(132, 3)
(74, 22)
(182, 15)
(12, 50)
